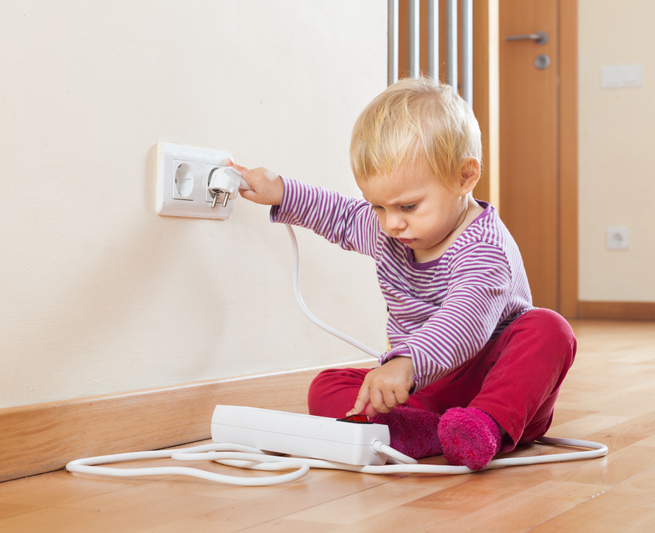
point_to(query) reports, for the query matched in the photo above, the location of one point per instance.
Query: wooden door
(538, 200)
(529, 171)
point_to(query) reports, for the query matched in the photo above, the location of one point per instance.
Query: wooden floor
(609, 397)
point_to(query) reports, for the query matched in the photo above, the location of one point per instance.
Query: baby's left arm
(385, 387)
(477, 299)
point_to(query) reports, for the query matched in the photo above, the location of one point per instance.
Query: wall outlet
(617, 238)
(182, 181)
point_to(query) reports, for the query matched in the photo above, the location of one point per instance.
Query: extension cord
(300, 435)
(311, 437)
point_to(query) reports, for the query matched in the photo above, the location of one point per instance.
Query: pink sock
(469, 437)
(413, 431)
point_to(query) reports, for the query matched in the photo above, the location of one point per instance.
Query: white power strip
(300, 435)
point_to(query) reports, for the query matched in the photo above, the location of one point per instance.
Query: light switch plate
(618, 76)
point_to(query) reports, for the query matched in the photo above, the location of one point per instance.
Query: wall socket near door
(183, 180)
(617, 238)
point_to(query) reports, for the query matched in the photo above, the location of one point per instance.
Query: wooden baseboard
(617, 310)
(44, 437)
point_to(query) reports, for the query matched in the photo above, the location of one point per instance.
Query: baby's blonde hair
(413, 120)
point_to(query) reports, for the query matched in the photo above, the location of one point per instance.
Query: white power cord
(232, 454)
(596, 450)
(308, 313)
(240, 456)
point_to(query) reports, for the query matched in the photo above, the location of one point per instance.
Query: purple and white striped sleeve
(477, 296)
(342, 220)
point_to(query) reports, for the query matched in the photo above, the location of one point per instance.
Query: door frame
(567, 248)
(569, 304)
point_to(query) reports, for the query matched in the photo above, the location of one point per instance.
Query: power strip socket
(300, 435)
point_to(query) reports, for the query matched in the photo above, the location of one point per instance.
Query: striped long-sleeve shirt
(441, 313)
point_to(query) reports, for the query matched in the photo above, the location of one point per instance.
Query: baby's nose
(396, 222)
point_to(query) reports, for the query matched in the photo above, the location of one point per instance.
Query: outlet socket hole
(184, 180)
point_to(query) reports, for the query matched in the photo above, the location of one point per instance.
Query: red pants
(515, 378)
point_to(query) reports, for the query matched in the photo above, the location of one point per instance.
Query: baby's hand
(266, 187)
(385, 387)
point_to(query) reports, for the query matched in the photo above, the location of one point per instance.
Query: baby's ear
(469, 175)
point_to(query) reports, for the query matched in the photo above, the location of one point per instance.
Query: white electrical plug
(224, 181)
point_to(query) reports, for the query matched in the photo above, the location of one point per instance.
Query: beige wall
(99, 294)
(617, 140)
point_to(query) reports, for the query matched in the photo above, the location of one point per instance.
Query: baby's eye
(376, 207)
(407, 208)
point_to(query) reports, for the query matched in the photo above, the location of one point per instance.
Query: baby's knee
(322, 381)
(549, 319)
(317, 389)
(332, 392)
(555, 332)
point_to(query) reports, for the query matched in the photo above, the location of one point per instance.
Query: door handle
(540, 37)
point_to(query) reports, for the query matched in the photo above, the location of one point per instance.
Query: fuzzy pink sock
(469, 437)
(413, 431)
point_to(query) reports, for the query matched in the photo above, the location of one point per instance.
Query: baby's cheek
(383, 224)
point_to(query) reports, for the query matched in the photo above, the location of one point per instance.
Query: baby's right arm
(266, 187)
(341, 220)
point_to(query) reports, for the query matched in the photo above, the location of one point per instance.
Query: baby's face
(415, 207)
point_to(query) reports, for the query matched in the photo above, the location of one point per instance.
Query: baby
(473, 368)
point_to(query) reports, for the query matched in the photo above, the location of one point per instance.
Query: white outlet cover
(617, 238)
(188, 197)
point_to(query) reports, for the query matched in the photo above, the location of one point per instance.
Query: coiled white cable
(249, 458)
(233, 454)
